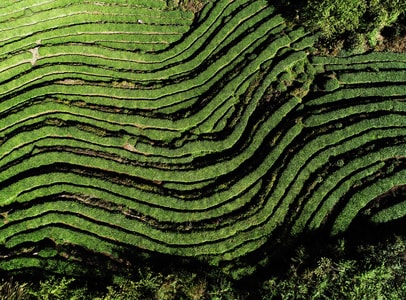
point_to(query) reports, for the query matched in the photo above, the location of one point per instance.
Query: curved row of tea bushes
(74, 22)
(369, 96)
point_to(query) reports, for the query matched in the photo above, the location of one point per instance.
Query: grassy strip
(118, 204)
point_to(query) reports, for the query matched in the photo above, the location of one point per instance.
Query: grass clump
(13, 290)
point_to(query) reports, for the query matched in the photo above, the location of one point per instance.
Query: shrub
(352, 21)
(56, 288)
(331, 84)
(374, 275)
(334, 17)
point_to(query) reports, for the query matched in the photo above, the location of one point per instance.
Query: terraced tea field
(134, 126)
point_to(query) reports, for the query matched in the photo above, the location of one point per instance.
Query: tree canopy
(357, 23)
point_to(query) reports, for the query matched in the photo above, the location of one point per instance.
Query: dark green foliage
(358, 23)
(335, 270)
(329, 84)
(365, 271)
(334, 17)
(55, 288)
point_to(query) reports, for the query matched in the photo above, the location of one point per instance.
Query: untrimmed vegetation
(351, 26)
(336, 270)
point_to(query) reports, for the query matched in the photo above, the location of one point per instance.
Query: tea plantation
(138, 129)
